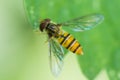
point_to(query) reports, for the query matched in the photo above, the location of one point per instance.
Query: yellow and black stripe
(69, 42)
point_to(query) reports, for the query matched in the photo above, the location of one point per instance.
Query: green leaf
(100, 45)
(113, 67)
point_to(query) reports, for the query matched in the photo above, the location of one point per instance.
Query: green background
(24, 53)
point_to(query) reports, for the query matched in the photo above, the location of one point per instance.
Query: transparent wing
(56, 57)
(84, 23)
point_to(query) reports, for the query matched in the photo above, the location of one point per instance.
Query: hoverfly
(59, 38)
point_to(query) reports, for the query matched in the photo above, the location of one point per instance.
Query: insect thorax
(53, 30)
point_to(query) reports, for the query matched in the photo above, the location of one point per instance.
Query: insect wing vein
(84, 23)
(56, 57)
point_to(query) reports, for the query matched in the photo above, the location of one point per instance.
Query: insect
(59, 38)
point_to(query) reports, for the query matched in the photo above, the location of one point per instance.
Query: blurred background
(24, 53)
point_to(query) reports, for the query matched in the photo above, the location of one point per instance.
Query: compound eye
(42, 26)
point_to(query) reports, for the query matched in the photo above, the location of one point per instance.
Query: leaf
(113, 67)
(95, 55)
(100, 45)
(32, 8)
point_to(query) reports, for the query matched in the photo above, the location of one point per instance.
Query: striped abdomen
(70, 43)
